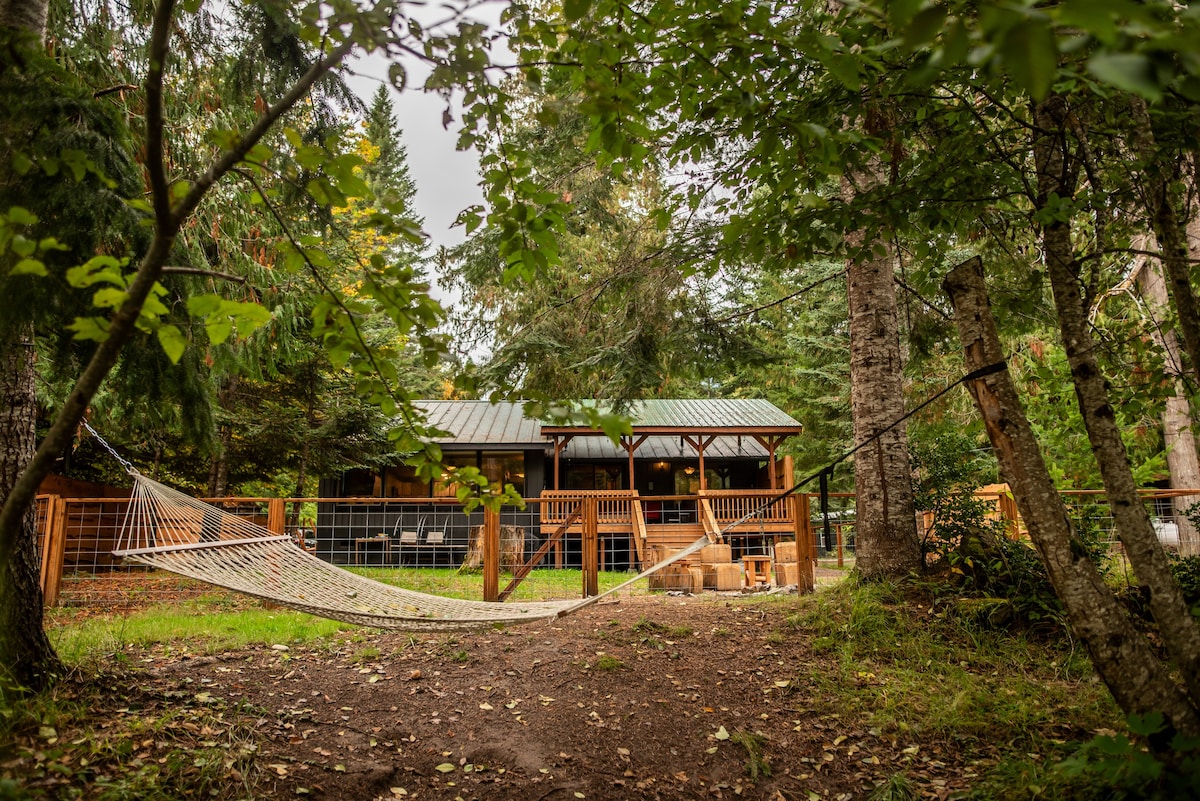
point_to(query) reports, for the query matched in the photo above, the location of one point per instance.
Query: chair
(434, 540)
(407, 540)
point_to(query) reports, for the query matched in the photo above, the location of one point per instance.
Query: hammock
(167, 529)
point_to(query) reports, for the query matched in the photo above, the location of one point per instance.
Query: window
(505, 468)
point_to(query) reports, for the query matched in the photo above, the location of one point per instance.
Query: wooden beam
(637, 524)
(275, 516)
(56, 533)
(491, 555)
(558, 448)
(630, 446)
(591, 547)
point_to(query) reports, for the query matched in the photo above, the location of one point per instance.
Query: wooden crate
(787, 573)
(786, 552)
(723, 577)
(716, 554)
(672, 577)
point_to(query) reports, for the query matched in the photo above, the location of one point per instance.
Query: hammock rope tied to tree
(167, 529)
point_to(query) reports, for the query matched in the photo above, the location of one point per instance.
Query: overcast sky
(447, 179)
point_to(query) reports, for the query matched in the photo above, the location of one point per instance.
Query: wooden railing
(614, 507)
(730, 505)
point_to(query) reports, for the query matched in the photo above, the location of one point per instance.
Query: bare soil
(648, 697)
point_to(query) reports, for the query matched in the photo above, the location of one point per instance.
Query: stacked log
(719, 569)
(787, 564)
(671, 577)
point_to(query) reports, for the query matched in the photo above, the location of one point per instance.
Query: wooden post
(276, 518)
(806, 551)
(1009, 514)
(491, 555)
(52, 504)
(55, 551)
(590, 547)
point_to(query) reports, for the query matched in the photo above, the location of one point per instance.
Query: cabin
(687, 467)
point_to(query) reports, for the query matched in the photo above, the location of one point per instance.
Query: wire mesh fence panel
(93, 577)
(41, 505)
(833, 527)
(1168, 510)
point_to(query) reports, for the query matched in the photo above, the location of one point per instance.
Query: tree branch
(235, 279)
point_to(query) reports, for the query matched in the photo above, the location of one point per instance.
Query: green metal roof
(484, 425)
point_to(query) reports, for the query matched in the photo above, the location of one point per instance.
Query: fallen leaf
(445, 767)
(722, 734)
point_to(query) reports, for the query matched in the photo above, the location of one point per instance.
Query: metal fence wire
(433, 545)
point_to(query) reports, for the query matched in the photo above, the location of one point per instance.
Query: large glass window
(505, 468)
(594, 477)
(402, 482)
(453, 461)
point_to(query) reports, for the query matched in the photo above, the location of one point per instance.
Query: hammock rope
(167, 529)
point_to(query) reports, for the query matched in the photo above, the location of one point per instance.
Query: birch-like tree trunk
(1057, 172)
(1138, 681)
(886, 541)
(1179, 437)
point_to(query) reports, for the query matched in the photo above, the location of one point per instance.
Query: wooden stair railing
(524, 570)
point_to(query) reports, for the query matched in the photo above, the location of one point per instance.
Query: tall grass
(915, 667)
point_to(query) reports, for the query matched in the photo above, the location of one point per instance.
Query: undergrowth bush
(1118, 767)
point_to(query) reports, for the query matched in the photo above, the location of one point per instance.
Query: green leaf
(23, 247)
(90, 328)
(1030, 56)
(18, 215)
(1129, 71)
(173, 342)
(218, 329)
(21, 163)
(924, 27)
(29, 267)
(576, 9)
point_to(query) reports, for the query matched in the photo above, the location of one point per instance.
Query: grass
(917, 670)
(197, 627)
(541, 585)
(894, 660)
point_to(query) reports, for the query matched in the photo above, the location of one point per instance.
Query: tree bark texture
(27, 658)
(1138, 681)
(1178, 437)
(1056, 179)
(886, 541)
(24, 15)
(1170, 228)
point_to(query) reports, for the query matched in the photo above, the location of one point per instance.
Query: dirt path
(650, 697)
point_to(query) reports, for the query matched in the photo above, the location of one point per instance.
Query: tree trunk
(27, 659)
(1055, 179)
(1138, 681)
(1178, 437)
(24, 15)
(1156, 186)
(886, 541)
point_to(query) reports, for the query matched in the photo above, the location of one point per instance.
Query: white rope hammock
(167, 529)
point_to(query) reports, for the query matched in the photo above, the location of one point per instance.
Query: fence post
(54, 549)
(276, 518)
(590, 548)
(1009, 514)
(806, 551)
(491, 555)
